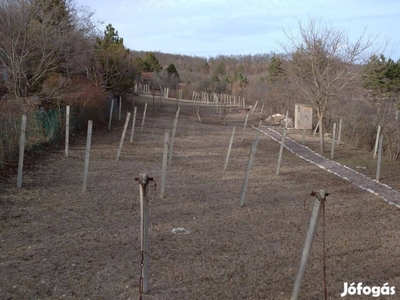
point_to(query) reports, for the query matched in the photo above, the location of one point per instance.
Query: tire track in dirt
(383, 191)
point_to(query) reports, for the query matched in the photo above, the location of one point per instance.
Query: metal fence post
(144, 180)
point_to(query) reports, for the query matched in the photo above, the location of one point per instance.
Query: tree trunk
(321, 133)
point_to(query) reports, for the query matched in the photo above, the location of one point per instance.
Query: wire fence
(44, 128)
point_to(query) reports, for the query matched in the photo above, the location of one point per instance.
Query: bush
(46, 117)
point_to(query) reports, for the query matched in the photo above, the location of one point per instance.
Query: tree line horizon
(53, 55)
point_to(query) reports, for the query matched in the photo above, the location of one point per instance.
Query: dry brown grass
(57, 243)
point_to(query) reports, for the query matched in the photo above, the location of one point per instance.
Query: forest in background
(53, 55)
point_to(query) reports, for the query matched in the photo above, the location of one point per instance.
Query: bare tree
(38, 38)
(323, 61)
(163, 79)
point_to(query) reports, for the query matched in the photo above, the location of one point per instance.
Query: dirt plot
(56, 243)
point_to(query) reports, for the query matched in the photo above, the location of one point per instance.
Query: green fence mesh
(43, 128)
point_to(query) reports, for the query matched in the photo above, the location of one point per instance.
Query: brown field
(57, 243)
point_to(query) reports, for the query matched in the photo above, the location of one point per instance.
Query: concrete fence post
(316, 212)
(133, 123)
(247, 176)
(67, 113)
(378, 167)
(144, 117)
(128, 116)
(111, 114)
(173, 135)
(87, 156)
(21, 151)
(244, 127)
(164, 163)
(333, 141)
(229, 148)
(377, 141)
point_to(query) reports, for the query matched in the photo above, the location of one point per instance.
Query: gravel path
(381, 190)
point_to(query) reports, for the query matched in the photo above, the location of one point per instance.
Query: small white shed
(303, 116)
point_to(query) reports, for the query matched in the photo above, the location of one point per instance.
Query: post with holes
(128, 116)
(378, 167)
(246, 178)
(144, 116)
(144, 180)
(316, 212)
(229, 148)
(67, 113)
(164, 163)
(21, 151)
(173, 135)
(87, 155)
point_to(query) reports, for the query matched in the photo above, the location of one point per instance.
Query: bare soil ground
(57, 243)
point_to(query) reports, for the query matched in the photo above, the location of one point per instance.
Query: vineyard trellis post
(315, 215)
(133, 123)
(111, 114)
(333, 141)
(144, 180)
(244, 127)
(67, 113)
(254, 108)
(282, 144)
(120, 108)
(121, 143)
(164, 163)
(87, 156)
(247, 176)
(377, 141)
(258, 131)
(261, 111)
(173, 135)
(378, 167)
(21, 151)
(316, 128)
(339, 132)
(229, 148)
(144, 116)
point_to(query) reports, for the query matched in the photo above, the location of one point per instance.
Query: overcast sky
(211, 27)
